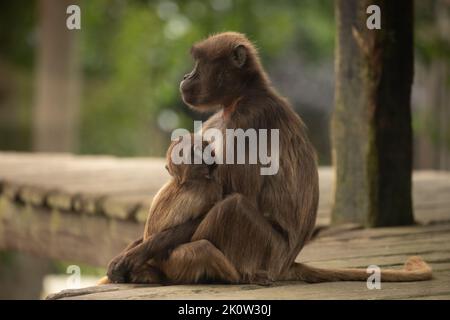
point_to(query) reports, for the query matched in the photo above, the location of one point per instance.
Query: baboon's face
(217, 77)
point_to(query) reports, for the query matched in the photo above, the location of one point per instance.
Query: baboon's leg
(198, 261)
(159, 245)
(128, 265)
(256, 246)
(146, 273)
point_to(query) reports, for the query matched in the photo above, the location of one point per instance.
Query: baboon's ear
(239, 56)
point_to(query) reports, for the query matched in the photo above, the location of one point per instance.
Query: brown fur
(174, 216)
(253, 233)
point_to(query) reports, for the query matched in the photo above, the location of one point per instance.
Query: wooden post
(372, 134)
(55, 114)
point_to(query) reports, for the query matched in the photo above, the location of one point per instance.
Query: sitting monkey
(175, 213)
(262, 222)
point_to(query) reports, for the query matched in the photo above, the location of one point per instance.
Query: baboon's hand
(119, 269)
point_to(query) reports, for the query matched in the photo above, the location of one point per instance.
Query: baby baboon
(175, 214)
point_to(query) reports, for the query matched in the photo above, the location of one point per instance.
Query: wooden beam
(82, 238)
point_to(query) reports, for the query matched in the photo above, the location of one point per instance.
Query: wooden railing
(87, 208)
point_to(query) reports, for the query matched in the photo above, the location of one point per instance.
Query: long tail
(103, 280)
(415, 269)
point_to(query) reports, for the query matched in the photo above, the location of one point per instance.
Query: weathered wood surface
(386, 247)
(122, 188)
(110, 186)
(78, 238)
(86, 209)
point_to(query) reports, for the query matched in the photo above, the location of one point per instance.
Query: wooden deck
(85, 209)
(387, 247)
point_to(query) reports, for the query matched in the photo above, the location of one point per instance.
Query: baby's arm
(158, 246)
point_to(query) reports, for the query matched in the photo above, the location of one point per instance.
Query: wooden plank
(96, 289)
(317, 253)
(441, 296)
(35, 195)
(287, 291)
(359, 241)
(439, 258)
(86, 239)
(79, 183)
(124, 206)
(69, 182)
(378, 233)
(381, 261)
(84, 208)
(10, 190)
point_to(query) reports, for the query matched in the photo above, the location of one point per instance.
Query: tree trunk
(57, 88)
(372, 134)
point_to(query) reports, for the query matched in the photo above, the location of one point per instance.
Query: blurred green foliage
(17, 26)
(17, 40)
(430, 42)
(135, 53)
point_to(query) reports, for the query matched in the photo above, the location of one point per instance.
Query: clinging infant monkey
(175, 213)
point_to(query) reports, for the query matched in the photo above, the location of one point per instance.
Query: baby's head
(183, 167)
